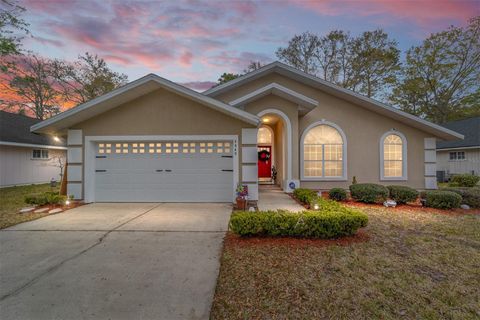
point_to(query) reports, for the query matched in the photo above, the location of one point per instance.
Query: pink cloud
(421, 12)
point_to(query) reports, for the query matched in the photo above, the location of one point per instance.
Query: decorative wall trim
(75, 138)
(249, 155)
(430, 163)
(249, 136)
(74, 155)
(75, 173)
(75, 189)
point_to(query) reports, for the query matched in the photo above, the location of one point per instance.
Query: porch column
(430, 147)
(75, 164)
(249, 161)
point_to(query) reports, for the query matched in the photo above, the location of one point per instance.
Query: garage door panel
(164, 171)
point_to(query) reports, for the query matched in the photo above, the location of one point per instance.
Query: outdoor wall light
(56, 139)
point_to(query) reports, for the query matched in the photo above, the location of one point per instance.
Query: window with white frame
(323, 153)
(393, 156)
(457, 155)
(39, 154)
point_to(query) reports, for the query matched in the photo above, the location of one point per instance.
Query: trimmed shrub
(306, 196)
(369, 192)
(45, 198)
(464, 180)
(402, 194)
(470, 196)
(311, 224)
(337, 194)
(443, 199)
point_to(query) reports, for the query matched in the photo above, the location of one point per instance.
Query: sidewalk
(273, 198)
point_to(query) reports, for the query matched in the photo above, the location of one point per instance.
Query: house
(26, 157)
(155, 140)
(460, 156)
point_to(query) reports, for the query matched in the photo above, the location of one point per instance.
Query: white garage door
(164, 171)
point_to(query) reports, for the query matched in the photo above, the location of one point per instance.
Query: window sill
(323, 179)
(394, 179)
(40, 159)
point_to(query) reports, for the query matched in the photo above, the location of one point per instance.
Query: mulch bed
(73, 204)
(237, 241)
(410, 207)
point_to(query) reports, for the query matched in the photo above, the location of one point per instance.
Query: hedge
(310, 224)
(464, 180)
(306, 196)
(369, 192)
(45, 198)
(443, 199)
(402, 194)
(337, 194)
(470, 196)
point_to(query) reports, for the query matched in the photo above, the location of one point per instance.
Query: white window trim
(41, 158)
(344, 150)
(90, 142)
(404, 177)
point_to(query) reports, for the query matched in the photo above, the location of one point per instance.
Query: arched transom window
(323, 152)
(264, 136)
(393, 156)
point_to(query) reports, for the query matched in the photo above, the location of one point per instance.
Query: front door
(264, 162)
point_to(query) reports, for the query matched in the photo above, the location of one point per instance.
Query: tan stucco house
(155, 140)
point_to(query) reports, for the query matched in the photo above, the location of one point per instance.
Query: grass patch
(415, 265)
(12, 199)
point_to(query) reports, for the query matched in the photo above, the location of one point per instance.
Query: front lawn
(410, 265)
(12, 200)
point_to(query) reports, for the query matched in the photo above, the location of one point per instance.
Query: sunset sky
(195, 41)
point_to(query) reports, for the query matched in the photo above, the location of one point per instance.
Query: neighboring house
(461, 156)
(155, 140)
(26, 157)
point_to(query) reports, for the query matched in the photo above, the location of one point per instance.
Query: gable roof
(278, 90)
(128, 92)
(335, 90)
(470, 128)
(15, 130)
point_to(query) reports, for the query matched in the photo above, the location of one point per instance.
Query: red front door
(264, 162)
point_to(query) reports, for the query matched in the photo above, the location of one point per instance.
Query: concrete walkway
(273, 198)
(114, 261)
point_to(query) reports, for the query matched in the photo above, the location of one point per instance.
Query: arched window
(264, 136)
(393, 155)
(323, 152)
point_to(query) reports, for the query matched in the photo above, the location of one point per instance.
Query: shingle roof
(470, 128)
(16, 128)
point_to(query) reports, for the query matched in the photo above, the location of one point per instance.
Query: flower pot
(241, 203)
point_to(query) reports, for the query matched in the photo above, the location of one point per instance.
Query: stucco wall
(363, 129)
(18, 168)
(471, 162)
(163, 113)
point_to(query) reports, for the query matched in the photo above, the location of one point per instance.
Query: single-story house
(460, 156)
(155, 140)
(26, 157)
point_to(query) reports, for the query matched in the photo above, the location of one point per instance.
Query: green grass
(415, 266)
(12, 200)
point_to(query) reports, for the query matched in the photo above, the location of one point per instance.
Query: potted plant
(274, 174)
(241, 197)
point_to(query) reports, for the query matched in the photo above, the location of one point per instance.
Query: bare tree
(87, 78)
(301, 52)
(32, 86)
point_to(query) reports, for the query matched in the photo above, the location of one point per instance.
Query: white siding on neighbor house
(471, 162)
(18, 168)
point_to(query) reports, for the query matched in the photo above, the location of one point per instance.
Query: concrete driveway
(114, 261)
